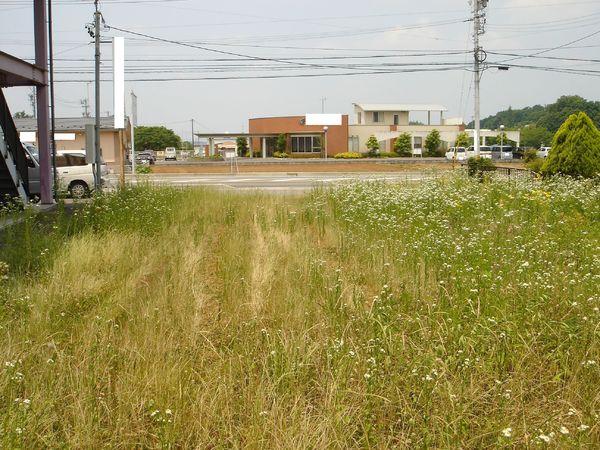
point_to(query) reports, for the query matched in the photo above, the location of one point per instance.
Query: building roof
(67, 124)
(392, 107)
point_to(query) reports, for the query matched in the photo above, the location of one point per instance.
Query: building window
(306, 144)
(359, 118)
(418, 142)
(396, 119)
(377, 117)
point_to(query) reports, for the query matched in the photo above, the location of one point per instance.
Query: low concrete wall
(305, 162)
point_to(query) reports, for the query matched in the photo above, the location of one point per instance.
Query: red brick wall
(337, 136)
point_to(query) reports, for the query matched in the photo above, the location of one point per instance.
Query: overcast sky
(381, 35)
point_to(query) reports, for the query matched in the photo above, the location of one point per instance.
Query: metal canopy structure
(250, 136)
(17, 72)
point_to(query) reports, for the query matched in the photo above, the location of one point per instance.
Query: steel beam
(16, 72)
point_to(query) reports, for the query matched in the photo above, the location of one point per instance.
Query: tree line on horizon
(539, 123)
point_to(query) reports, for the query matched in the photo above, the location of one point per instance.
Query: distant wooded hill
(549, 117)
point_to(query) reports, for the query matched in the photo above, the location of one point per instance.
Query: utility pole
(323, 100)
(52, 99)
(193, 141)
(479, 58)
(133, 125)
(97, 156)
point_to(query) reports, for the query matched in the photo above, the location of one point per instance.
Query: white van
(456, 154)
(170, 154)
(543, 152)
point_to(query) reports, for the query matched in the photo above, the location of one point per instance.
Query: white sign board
(31, 136)
(28, 136)
(119, 82)
(64, 136)
(324, 119)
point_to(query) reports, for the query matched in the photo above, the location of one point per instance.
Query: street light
(325, 130)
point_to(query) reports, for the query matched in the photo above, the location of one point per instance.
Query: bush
(477, 167)
(463, 140)
(432, 143)
(575, 149)
(281, 145)
(403, 145)
(535, 165)
(216, 158)
(349, 155)
(280, 155)
(143, 169)
(530, 155)
(389, 155)
(373, 146)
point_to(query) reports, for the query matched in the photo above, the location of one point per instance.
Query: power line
(551, 49)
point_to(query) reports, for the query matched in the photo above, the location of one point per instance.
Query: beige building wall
(385, 117)
(385, 134)
(109, 142)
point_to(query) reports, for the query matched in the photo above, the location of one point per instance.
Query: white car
(75, 175)
(543, 152)
(170, 154)
(485, 152)
(456, 154)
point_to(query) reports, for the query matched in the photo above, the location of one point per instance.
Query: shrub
(403, 145)
(477, 167)
(216, 158)
(280, 155)
(143, 170)
(432, 143)
(349, 155)
(281, 145)
(373, 146)
(462, 140)
(242, 145)
(575, 149)
(530, 155)
(388, 155)
(535, 165)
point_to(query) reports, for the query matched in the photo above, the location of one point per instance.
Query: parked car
(145, 157)
(75, 175)
(543, 152)
(504, 152)
(484, 152)
(170, 154)
(457, 154)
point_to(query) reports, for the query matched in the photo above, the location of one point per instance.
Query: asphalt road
(272, 181)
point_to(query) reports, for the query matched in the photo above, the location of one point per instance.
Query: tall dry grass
(199, 319)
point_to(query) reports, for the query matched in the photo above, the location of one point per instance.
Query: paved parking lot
(271, 182)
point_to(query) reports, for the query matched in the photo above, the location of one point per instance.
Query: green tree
(373, 146)
(462, 140)
(156, 138)
(550, 116)
(281, 144)
(22, 115)
(403, 145)
(432, 143)
(242, 146)
(575, 149)
(186, 145)
(558, 112)
(536, 137)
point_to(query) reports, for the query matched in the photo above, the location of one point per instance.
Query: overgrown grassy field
(445, 314)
